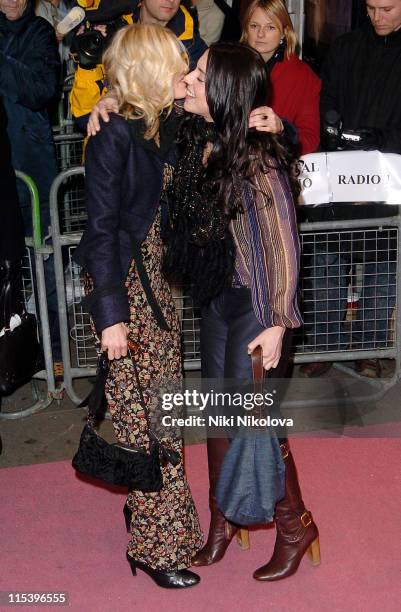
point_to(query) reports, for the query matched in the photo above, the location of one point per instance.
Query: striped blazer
(267, 248)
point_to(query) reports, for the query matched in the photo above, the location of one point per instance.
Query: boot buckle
(306, 519)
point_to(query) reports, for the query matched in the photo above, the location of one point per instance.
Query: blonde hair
(277, 11)
(140, 65)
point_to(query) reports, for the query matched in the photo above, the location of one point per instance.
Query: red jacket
(295, 97)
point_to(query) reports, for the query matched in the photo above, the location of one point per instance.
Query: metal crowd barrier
(367, 328)
(69, 150)
(350, 289)
(65, 118)
(34, 296)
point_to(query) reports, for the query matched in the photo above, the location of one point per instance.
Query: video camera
(336, 138)
(91, 44)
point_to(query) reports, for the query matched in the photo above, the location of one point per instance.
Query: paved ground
(53, 434)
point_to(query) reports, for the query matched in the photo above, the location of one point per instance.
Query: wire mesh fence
(65, 120)
(33, 293)
(69, 150)
(81, 333)
(348, 290)
(349, 284)
(28, 293)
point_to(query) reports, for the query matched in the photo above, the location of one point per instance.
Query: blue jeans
(325, 304)
(375, 307)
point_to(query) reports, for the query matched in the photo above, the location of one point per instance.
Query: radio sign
(350, 176)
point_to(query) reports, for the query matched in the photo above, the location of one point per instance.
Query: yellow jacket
(90, 85)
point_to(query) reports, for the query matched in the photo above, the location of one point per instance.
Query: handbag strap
(96, 403)
(258, 372)
(146, 286)
(131, 349)
(95, 400)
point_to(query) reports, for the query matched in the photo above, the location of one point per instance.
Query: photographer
(102, 22)
(361, 93)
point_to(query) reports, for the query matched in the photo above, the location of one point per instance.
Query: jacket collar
(167, 133)
(278, 56)
(182, 24)
(391, 41)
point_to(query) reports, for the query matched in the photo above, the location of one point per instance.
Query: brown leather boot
(296, 530)
(221, 531)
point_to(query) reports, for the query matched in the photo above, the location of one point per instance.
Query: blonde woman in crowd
(295, 89)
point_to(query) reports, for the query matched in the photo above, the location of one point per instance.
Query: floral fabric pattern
(165, 530)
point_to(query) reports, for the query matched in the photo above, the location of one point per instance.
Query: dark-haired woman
(234, 234)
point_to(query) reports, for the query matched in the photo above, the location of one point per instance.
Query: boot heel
(127, 517)
(132, 564)
(314, 552)
(243, 539)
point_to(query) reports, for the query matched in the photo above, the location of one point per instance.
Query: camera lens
(92, 43)
(90, 48)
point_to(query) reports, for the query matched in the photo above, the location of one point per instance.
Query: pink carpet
(61, 534)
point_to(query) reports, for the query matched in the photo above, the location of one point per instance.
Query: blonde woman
(128, 167)
(295, 89)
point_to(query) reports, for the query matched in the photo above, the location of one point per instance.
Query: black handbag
(117, 463)
(19, 345)
(252, 476)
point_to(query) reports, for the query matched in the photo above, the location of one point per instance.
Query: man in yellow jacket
(105, 17)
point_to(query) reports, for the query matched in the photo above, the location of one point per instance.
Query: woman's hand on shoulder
(264, 119)
(107, 104)
(114, 340)
(270, 340)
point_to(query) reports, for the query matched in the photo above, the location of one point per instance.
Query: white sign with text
(350, 176)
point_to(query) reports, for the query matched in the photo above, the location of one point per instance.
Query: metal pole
(47, 375)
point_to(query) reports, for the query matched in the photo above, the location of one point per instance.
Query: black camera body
(91, 44)
(90, 48)
(336, 138)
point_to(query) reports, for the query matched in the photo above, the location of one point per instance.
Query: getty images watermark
(213, 401)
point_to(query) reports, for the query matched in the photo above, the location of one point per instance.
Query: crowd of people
(202, 191)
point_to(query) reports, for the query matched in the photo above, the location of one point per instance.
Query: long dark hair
(236, 84)
(203, 200)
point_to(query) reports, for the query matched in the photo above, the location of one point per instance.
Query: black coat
(11, 226)
(124, 179)
(29, 81)
(361, 80)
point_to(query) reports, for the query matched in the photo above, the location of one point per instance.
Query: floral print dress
(165, 530)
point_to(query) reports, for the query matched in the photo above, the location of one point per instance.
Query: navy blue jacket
(29, 81)
(124, 179)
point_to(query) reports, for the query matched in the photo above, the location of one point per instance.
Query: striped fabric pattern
(267, 248)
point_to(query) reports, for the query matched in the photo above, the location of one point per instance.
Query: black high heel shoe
(180, 579)
(127, 517)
